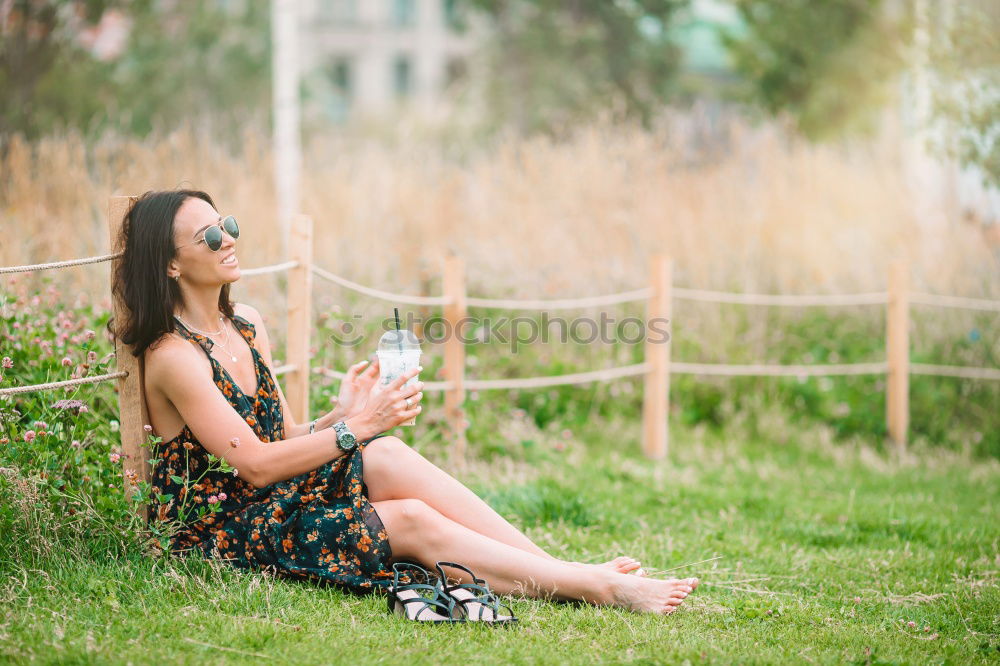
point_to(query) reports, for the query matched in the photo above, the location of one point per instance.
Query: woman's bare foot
(619, 565)
(649, 595)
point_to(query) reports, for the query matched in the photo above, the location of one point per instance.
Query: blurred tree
(178, 61)
(828, 64)
(965, 66)
(210, 59)
(37, 37)
(557, 61)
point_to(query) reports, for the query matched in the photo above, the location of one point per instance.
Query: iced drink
(398, 351)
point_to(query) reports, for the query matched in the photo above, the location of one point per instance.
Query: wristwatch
(346, 440)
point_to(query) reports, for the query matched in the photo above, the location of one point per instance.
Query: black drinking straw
(399, 338)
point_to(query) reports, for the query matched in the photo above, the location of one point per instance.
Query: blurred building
(373, 55)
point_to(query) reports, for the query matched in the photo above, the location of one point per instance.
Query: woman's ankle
(602, 587)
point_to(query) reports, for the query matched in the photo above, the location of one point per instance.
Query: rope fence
(273, 268)
(428, 386)
(955, 302)
(58, 264)
(792, 300)
(955, 371)
(656, 369)
(14, 390)
(764, 370)
(559, 303)
(378, 293)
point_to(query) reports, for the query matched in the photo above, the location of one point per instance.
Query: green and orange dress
(317, 526)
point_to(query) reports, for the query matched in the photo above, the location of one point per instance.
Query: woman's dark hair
(140, 279)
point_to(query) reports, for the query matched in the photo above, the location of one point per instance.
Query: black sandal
(476, 599)
(405, 599)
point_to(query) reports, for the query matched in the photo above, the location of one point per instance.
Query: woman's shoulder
(172, 351)
(249, 316)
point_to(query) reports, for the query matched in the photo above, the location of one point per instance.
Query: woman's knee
(409, 516)
(384, 451)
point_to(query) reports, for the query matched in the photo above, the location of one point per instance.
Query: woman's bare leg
(393, 470)
(417, 532)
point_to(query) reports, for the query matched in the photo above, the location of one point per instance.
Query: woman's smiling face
(194, 260)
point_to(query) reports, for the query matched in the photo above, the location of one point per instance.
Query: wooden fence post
(656, 396)
(132, 411)
(299, 317)
(898, 354)
(454, 352)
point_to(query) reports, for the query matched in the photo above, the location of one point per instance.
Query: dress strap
(246, 329)
(204, 342)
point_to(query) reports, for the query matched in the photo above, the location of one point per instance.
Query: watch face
(345, 438)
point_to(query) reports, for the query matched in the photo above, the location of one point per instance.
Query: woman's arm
(183, 374)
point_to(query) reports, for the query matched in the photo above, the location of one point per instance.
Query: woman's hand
(386, 407)
(356, 386)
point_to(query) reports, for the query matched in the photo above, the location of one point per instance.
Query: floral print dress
(317, 526)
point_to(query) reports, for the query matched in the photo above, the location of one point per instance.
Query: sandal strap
(485, 600)
(426, 601)
(415, 586)
(401, 569)
(455, 565)
(472, 587)
(484, 595)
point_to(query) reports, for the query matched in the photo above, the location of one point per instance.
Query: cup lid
(396, 341)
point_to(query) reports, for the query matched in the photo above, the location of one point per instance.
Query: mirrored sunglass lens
(232, 228)
(213, 238)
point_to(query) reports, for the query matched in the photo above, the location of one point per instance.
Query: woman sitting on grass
(302, 501)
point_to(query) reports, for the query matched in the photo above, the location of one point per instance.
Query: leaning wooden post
(454, 352)
(299, 317)
(132, 411)
(656, 396)
(898, 353)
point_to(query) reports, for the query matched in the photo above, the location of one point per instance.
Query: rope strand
(58, 264)
(14, 390)
(378, 293)
(273, 268)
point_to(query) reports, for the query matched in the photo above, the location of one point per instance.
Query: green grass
(838, 545)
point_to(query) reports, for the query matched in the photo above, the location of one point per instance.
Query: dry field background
(532, 217)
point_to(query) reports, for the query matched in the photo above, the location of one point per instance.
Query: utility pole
(285, 96)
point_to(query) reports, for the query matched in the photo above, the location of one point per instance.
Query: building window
(402, 76)
(340, 77)
(341, 88)
(340, 12)
(404, 13)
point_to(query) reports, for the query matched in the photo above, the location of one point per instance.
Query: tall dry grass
(532, 217)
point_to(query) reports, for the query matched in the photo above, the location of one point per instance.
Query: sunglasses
(213, 234)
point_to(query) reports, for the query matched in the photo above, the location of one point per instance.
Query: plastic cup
(398, 352)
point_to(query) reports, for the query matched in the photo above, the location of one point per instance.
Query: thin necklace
(200, 332)
(226, 346)
(219, 332)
